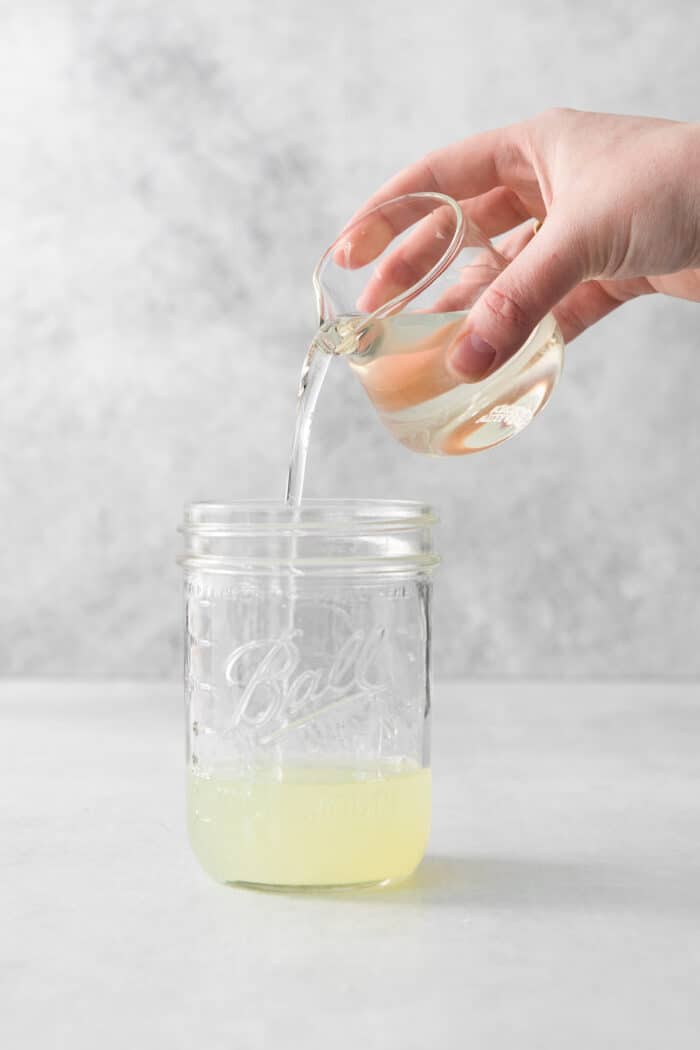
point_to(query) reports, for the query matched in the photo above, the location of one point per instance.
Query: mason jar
(307, 688)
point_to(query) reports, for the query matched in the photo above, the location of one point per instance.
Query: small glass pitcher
(392, 292)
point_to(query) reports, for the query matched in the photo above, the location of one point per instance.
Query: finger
(424, 246)
(685, 284)
(364, 239)
(500, 210)
(514, 243)
(549, 266)
(593, 300)
(469, 168)
(411, 261)
(463, 169)
(475, 278)
(493, 213)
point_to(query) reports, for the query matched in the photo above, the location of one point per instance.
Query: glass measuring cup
(393, 290)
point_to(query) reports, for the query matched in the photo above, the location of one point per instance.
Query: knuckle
(570, 320)
(555, 115)
(520, 209)
(510, 154)
(505, 307)
(397, 270)
(431, 164)
(443, 221)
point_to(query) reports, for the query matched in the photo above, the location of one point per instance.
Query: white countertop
(559, 905)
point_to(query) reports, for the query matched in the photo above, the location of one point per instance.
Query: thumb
(506, 313)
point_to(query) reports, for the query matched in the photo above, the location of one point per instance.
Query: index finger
(463, 169)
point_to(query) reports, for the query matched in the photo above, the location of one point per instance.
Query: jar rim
(346, 516)
(323, 537)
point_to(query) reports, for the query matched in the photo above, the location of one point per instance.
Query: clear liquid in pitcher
(400, 362)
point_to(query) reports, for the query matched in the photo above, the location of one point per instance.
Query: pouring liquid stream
(312, 375)
(332, 339)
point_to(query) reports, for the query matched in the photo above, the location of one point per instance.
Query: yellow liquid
(317, 826)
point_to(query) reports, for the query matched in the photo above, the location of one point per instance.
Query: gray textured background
(168, 174)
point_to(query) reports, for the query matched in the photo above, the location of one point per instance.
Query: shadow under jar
(307, 688)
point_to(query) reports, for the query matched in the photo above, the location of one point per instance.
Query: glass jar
(307, 687)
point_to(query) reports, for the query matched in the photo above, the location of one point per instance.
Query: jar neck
(321, 537)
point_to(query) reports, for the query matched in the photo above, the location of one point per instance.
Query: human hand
(622, 209)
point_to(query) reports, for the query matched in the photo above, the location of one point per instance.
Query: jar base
(342, 887)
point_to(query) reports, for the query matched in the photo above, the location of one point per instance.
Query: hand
(620, 210)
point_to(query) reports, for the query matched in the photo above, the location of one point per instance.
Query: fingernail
(472, 357)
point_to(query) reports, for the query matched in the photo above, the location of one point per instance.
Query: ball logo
(278, 695)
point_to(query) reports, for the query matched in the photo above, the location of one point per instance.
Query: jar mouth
(347, 516)
(320, 537)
